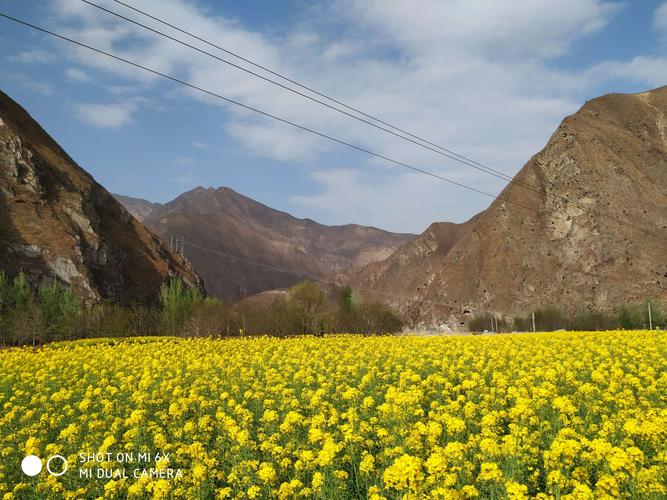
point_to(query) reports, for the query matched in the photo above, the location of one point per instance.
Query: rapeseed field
(552, 415)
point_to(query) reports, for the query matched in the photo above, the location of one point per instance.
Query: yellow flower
(410, 417)
(266, 473)
(367, 463)
(489, 471)
(318, 481)
(404, 473)
(516, 491)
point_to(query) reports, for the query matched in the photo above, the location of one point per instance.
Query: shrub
(488, 322)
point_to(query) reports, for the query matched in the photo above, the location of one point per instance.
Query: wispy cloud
(105, 115)
(33, 56)
(649, 70)
(185, 179)
(660, 21)
(41, 87)
(478, 77)
(77, 75)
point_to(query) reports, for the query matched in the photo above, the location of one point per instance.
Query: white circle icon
(31, 465)
(48, 465)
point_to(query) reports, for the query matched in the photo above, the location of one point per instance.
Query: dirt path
(661, 118)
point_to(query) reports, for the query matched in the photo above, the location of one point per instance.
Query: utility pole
(492, 324)
(533, 314)
(171, 242)
(650, 319)
(183, 246)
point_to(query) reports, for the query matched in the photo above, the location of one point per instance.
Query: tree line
(632, 316)
(52, 312)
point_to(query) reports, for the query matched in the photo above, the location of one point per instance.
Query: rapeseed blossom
(557, 415)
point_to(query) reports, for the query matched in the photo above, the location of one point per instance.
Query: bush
(113, 320)
(488, 322)
(55, 313)
(20, 318)
(379, 318)
(635, 316)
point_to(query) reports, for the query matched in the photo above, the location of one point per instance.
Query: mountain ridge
(241, 246)
(611, 156)
(58, 222)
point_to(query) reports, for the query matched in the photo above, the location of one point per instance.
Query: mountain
(138, 207)
(532, 248)
(56, 221)
(241, 247)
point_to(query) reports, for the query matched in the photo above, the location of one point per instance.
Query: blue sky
(481, 78)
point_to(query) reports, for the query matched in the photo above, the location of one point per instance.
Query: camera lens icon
(56, 465)
(57, 458)
(31, 465)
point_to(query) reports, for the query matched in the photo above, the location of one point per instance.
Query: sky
(486, 79)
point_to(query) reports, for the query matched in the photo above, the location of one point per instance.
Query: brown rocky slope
(605, 247)
(241, 247)
(56, 221)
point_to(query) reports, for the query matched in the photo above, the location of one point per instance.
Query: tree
(178, 303)
(60, 310)
(379, 318)
(345, 302)
(308, 306)
(18, 313)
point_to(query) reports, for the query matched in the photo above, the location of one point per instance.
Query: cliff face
(241, 247)
(593, 235)
(56, 221)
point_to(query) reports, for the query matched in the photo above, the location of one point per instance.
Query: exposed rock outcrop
(592, 233)
(56, 221)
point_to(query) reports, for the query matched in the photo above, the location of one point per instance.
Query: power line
(266, 114)
(444, 151)
(296, 125)
(447, 153)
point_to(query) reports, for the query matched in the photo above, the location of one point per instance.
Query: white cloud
(474, 76)
(648, 70)
(105, 115)
(388, 202)
(33, 56)
(274, 140)
(487, 28)
(41, 87)
(199, 145)
(186, 179)
(660, 20)
(77, 75)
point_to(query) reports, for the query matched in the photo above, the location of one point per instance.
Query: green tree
(5, 290)
(345, 303)
(17, 310)
(308, 306)
(178, 303)
(61, 310)
(20, 293)
(379, 318)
